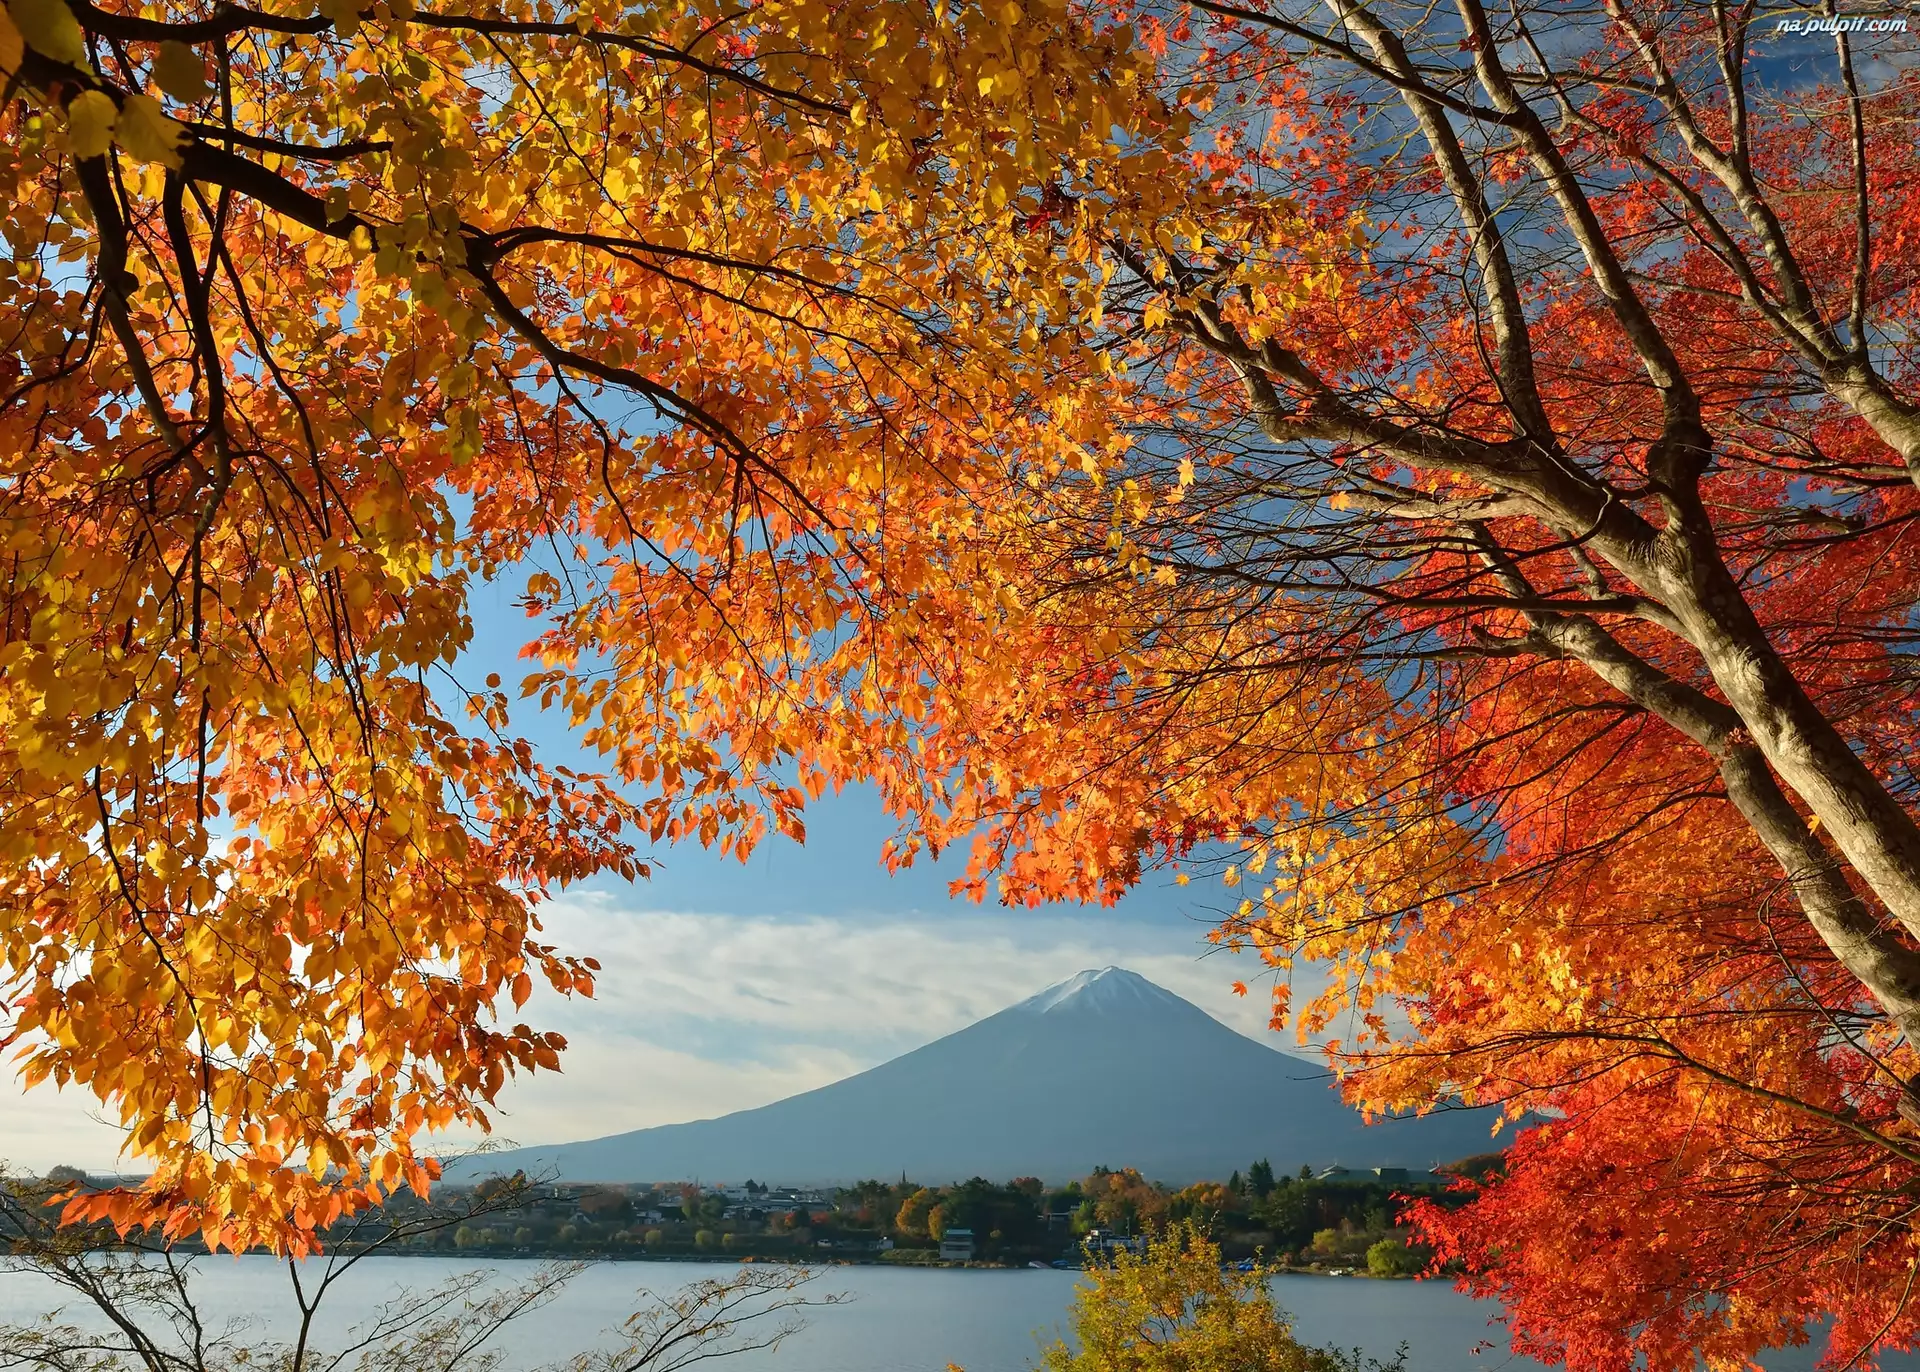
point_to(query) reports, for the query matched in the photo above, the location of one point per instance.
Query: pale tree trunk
(1859, 941)
(1893, 419)
(1874, 831)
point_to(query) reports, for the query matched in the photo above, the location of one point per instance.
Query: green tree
(1175, 1309)
(1291, 1212)
(656, 1237)
(1394, 1258)
(1260, 1179)
(868, 1202)
(999, 1216)
(704, 1238)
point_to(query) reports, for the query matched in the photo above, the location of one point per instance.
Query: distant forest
(1329, 1222)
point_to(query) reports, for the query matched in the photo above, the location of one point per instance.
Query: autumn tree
(1176, 1307)
(1532, 615)
(605, 1203)
(1205, 1203)
(916, 1211)
(314, 320)
(1124, 1200)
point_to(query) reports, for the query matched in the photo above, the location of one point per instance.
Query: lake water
(897, 1320)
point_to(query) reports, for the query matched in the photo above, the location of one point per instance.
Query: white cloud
(613, 1082)
(700, 1014)
(43, 1128)
(898, 980)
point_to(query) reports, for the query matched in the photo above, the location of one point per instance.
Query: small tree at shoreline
(1177, 1307)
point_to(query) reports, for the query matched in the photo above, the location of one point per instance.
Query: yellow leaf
(345, 16)
(50, 29)
(12, 45)
(180, 73)
(90, 124)
(145, 131)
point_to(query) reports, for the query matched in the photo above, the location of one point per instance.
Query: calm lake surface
(898, 1320)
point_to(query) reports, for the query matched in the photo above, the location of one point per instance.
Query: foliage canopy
(1448, 470)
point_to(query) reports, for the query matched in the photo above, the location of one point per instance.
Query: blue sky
(728, 985)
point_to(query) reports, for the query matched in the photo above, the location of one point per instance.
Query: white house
(956, 1245)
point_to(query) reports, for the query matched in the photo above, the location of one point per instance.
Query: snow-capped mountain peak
(1106, 990)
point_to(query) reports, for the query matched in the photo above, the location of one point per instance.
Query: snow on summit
(1108, 989)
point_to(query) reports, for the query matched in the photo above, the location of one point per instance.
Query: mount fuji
(1104, 1068)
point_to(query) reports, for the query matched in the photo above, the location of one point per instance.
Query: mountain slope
(1105, 1067)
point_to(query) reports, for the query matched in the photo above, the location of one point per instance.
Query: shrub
(1393, 1258)
(1174, 1308)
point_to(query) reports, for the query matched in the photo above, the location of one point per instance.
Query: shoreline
(933, 1265)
